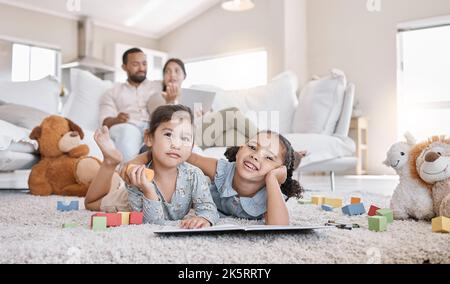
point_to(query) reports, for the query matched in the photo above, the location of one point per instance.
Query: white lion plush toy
(411, 199)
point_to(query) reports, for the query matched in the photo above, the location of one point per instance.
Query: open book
(241, 229)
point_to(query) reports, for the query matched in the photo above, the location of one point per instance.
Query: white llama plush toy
(411, 198)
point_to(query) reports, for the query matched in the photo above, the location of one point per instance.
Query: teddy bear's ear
(36, 133)
(74, 127)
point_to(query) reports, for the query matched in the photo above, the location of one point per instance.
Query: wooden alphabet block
(136, 218)
(441, 225)
(377, 223)
(67, 206)
(354, 209)
(386, 213)
(333, 202)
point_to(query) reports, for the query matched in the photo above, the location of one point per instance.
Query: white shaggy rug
(30, 232)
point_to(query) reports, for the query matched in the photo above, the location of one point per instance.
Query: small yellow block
(317, 200)
(441, 225)
(355, 200)
(334, 202)
(125, 218)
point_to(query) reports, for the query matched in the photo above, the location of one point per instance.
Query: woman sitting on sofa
(174, 74)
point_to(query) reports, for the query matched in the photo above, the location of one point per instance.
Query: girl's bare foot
(111, 156)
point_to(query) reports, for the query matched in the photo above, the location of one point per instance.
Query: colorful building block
(333, 202)
(354, 209)
(441, 225)
(70, 226)
(373, 210)
(317, 200)
(112, 219)
(377, 223)
(136, 218)
(355, 200)
(386, 213)
(98, 215)
(125, 218)
(327, 208)
(67, 206)
(99, 223)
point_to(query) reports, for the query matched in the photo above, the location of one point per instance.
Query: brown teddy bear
(433, 167)
(64, 168)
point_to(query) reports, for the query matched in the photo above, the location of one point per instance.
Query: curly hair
(291, 187)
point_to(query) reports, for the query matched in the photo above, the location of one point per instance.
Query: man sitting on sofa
(123, 109)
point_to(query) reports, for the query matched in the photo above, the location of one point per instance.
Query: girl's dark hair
(291, 188)
(165, 113)
(177, 61)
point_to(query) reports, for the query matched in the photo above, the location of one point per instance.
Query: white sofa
(312, 127)
(308, 124)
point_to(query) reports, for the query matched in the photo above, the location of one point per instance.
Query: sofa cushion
(11, 133)
(320, 105)
(22, 116)
(321, 147)
(13, 161)
(279, 96)
(42, 94)
(83, 105)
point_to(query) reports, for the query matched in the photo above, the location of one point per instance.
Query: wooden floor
(383, 185)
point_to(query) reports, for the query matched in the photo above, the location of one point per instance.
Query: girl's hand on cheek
(280, 174)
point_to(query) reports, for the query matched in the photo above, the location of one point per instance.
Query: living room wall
(61, 32)
(343, 34)
(295, 39)
(218, 32)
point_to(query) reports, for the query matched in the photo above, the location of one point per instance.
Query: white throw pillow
(230, 99)
(22, 116)
(279, 96)
(41, 94)
(83, 105)
(320, 105)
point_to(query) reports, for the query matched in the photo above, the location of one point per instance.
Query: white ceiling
(151, 18)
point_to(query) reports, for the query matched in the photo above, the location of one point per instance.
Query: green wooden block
(99, 223)
(377, 223)
(304, 201)
(70, 226)
(386, 213)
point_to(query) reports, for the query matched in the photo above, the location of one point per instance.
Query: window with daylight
(233, 72)
(424, 81)
(31, 63)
